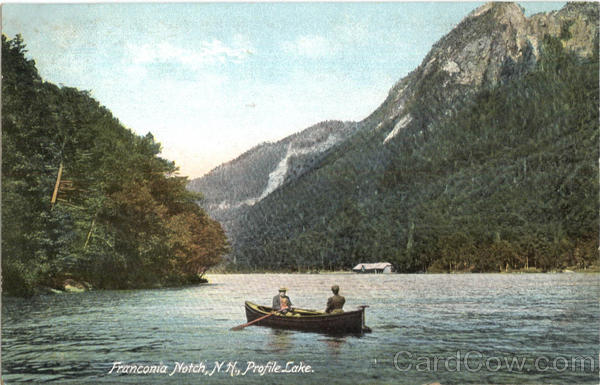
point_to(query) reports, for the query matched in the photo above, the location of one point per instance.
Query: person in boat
(335, 303)
(282, 302)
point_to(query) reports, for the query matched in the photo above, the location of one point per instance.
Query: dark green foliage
(512, 179)
(509, 180)
(122, 218)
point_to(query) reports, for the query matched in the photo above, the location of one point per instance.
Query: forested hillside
(485, 158)
(119, 216)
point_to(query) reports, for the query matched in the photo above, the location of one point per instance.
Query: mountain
(482, 158)
(232, 188)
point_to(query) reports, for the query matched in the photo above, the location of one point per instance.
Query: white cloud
(352, 30)
(207, 52)
(312, 46)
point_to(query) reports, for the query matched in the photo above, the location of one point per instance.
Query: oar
(240, 327)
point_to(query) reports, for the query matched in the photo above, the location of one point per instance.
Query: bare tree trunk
(57, 184)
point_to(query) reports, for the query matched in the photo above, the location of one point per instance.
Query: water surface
(416, 319)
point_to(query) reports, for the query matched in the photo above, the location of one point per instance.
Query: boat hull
(341, 323)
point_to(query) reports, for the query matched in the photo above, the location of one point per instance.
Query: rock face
(577, 23)
(62, 285)
(492, 44)
(71, 285)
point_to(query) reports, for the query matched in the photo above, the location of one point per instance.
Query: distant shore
(590, 269)
(77, 286)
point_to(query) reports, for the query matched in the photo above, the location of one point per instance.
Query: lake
(452, 329)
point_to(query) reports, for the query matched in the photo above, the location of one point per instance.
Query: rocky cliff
(493, 44)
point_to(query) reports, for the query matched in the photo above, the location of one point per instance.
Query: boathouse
(376, 268)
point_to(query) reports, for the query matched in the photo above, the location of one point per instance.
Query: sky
(212, 80)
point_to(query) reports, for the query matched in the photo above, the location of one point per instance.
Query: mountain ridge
(360, 178)
(231, 188)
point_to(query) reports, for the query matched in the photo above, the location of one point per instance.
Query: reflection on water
(334, 345)
(280, 341)
(77, 338)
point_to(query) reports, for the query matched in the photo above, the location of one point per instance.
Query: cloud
(352, 30)
(312, 46)
(206, 53)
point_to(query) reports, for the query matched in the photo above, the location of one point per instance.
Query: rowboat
(309, 320)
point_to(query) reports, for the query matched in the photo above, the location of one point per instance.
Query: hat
(282, 289)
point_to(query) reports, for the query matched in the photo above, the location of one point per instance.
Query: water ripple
(76, 338)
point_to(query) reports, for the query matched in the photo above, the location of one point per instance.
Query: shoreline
(74, 289)
(591, 269)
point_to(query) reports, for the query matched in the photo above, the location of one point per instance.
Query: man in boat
(335, 303)
(282, 302)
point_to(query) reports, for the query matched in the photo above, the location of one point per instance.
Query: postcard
(300, 193)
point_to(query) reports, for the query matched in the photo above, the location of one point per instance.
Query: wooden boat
(310, 320)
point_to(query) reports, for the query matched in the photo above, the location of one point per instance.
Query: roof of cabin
(371, 266)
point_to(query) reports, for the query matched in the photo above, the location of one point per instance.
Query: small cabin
(375, 268)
